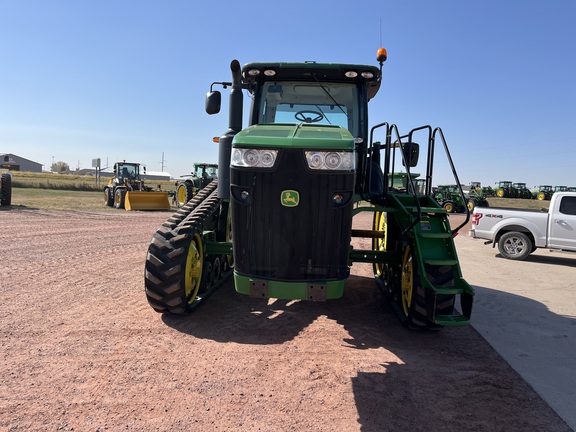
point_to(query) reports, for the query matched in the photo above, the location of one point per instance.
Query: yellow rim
(181, 195)
(500, 193)
(448, 208)
(470, 206)
(541, 196)
(407, 283)
(193, 272)
(379, 244)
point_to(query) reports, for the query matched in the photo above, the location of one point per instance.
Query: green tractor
(203, 175)
(485, 191)
(544, 192)
(506, 190)
(279, 220)
(522, 191)
(448, 196)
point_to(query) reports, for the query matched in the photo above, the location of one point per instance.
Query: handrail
(441, 134)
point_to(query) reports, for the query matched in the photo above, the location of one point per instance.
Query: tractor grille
(307, 242)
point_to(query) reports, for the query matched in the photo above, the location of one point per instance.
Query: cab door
(562, 223)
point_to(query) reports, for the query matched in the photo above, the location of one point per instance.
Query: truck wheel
(108, 197)
(515, 245)
(184, 193)
(119, 198)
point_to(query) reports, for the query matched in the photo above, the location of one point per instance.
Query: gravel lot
(82, 350)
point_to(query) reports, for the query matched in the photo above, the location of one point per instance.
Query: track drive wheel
(379, 244)
(184, 193)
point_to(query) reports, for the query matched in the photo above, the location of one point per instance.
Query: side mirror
(411, 152)
(213, 102)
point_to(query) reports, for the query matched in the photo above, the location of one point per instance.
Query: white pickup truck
(519, 232)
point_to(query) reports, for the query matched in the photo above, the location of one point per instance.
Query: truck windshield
(300, 102)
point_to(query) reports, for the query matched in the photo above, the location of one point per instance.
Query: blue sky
(126, 79)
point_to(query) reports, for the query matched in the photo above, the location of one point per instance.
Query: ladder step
(446, 262)
(444, 235)
(452, 320)
(451, 290)
(426, 209)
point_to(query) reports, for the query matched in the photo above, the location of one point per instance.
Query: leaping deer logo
(290, 198)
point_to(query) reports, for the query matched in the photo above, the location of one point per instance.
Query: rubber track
(167, 253)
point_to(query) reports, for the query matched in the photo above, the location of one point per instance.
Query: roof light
(269, 72)
(351, 74)
(381, 55)
(253, 72)
(367, 75)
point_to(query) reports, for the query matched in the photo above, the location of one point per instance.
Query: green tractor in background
(544, 192)
(485, 191)
(203, 175)
(449, 197)
(279, 217)
(522, 191)
(506, 190)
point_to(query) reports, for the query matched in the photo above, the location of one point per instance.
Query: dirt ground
(82, 350)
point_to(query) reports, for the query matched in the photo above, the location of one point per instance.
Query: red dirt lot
(82, 350)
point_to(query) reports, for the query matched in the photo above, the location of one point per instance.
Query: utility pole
(162, 162)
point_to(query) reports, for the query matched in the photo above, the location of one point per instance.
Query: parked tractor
(560, 188)
(476, 197)
(203, 175)
(486, 191)
(127, 190)
(448, 196)
(279, 219)
(506, 190)
(5, 188)
(522, 191)
(544, 192)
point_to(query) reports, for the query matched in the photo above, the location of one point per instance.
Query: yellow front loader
(127, 190)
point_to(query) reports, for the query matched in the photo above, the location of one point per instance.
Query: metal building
(17, 163)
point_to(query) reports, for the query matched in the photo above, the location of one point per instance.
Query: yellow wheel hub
(181, 195)
(194, 265)
(379, 244)
(407, 282)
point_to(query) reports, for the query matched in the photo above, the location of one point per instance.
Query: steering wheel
(301, 116)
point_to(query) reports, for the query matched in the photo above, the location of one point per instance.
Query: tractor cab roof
(314, 72)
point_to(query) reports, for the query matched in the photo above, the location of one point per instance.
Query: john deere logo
(290, 198)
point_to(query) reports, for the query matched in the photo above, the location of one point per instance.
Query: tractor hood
(302, 135)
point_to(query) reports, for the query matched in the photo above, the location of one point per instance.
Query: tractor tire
(6, 192)
(410, 294)
(184, 193)
(515, 245)
(541, 196)
(501, 193)
(119, 198)
(449, 206)
(108, 197)
(471, 204)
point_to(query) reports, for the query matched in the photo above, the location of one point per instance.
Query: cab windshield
(319, 103)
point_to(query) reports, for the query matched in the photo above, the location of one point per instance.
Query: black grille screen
(306, 242)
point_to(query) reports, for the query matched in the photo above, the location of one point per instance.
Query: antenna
(380, 32)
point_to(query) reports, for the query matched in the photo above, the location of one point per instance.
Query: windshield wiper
(330, 96)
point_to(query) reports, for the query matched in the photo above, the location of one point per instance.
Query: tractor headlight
(337, 161)
(253, 158)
